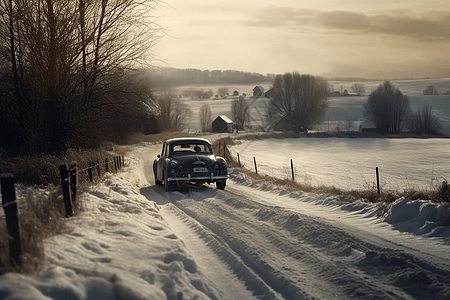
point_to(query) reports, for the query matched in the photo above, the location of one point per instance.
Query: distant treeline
(196, 76)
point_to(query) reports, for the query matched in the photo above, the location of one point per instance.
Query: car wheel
(221, 184)
(168, 185)
(157, 182)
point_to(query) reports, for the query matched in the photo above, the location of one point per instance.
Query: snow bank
(420, 217)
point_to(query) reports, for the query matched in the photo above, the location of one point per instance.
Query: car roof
(187, 140)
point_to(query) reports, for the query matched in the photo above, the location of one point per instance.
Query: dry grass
(41, 213)
(40, 217)
(43, 170)
(441, 194)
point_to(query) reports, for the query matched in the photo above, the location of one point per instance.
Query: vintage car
(192, 160)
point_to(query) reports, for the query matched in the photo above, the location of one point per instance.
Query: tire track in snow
(289, 266)
(280, 247)
(176, 217)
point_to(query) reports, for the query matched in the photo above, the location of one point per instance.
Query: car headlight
(181, 168)
(223, 164)
(216, 167)
(173, 165)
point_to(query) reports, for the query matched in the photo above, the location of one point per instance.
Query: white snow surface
(249, 241)
(350, 163)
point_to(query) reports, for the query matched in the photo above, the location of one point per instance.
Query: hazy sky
(382, 39)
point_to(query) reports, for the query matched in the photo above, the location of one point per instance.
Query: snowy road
(255, 241)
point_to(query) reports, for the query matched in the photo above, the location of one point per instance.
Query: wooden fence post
(98, 169)
(256, 169)
(292, 170)
(73, 180)
(91, 178)
(378, 181)
(239, 160)
(12, 220)
(106, 165)
(123, 160)
(65, 189)
(115, 163)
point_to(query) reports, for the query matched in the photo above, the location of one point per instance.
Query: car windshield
(191, 148)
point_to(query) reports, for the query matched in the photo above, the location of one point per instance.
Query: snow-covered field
(347, 163)
(249, 241)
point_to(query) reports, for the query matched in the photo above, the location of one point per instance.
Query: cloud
(390, 69)
(280, 17)
(419, 28)
(432, 27)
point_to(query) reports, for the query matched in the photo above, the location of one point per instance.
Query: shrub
(301, 100)
(430, 90)
(425, 122)
(388, 108)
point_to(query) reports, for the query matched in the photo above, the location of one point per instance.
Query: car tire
(221, 184)
(157, 182)
(168, 185)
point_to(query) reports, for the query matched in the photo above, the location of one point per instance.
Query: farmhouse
(236, 93)
(222, 124)
(369, 127)
(258, 91)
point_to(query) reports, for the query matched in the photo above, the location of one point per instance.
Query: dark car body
(189, 160)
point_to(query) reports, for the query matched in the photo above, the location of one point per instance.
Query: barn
(258, 91)
(368, 127)
(222, 124)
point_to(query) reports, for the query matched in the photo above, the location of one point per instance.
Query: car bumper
(212, 177)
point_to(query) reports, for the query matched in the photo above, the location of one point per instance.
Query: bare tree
(205, 117)
(388, 108)
(300, 99)
(223, 91)
(430, 90)
(64, 62)
(198, 94)
(240, 112)
(424, 121)
(187, 93)
(358, 88)
(172, 112)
